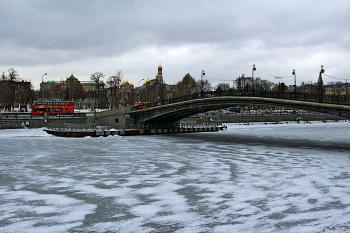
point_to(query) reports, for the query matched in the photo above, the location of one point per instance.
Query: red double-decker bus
(52, 108)
(141, 105)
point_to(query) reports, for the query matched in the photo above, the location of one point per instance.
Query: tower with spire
(159, 76)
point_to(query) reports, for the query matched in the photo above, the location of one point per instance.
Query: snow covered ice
(248, 178)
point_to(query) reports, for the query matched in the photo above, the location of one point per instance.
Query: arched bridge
(171, 113)
(173, 110)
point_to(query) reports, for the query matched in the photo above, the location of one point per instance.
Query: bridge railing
(301, 96)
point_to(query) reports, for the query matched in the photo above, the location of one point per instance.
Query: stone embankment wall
(90, 122)
(265, 118)
(39, 123)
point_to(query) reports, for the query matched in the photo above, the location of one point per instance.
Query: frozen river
(249, 178)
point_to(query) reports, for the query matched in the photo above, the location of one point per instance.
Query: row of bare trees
(188, 85)
(107, 93)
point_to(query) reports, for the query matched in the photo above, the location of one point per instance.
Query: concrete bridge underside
(171, 113)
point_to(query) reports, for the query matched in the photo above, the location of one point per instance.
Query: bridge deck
(173, 110)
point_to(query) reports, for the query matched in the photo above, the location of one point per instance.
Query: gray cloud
(222, 35)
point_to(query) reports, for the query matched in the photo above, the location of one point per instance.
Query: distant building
(15, 93)
(155, 89)
(337, 88)
(49, 85)
(126, 94)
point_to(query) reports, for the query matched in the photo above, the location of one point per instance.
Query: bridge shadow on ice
(263, 140)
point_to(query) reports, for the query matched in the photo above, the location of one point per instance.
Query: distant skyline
(224, 38)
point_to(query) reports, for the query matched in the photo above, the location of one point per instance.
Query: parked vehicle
(141, 105)
(233, 109)
(52, 108)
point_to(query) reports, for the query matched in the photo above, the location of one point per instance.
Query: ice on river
(248, 178)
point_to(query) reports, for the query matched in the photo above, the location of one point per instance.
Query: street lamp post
(295, 83)
(320, 85)
(202, 74)
(140, 81)
(253, 85)
(138, 91)
(42, 83)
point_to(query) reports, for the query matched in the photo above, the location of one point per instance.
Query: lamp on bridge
(202, 74)
(253, 85)
(295, 82)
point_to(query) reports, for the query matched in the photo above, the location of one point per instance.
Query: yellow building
(49, 85)
(126, 94)
(71, 88)
(337, 88)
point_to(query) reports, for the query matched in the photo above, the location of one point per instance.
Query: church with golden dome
(158, 79)
(126, 94)
(154, 89)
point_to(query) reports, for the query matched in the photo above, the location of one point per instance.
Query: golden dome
(159, 67)
(72, 78)
(123, 85)
(127, 83)
(131, 85)
(147, 81)
(157, 75)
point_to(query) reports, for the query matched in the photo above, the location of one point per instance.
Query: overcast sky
(224, 38)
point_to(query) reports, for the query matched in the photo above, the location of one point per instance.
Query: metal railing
(256, 113)
(16, 115)
(26, 115)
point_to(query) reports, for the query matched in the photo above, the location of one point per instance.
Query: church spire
(159, 76)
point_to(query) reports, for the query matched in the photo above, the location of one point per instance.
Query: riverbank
(17, 121)
(261, 118)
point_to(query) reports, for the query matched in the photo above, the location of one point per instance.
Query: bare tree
(223, 86)
(240, 83)
(187, 86)
(282, 87)
(205, 85)
(113, 84)
(12, 75)
(76, 90)
(98, 79)
(4, 91)
(263, 85)
(10, 88)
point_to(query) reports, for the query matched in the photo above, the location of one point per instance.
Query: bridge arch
(174, 112)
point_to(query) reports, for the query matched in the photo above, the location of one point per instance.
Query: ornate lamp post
(320, 88)
(202, 74)
(253, 84)
(138, 91)
(295, 83)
